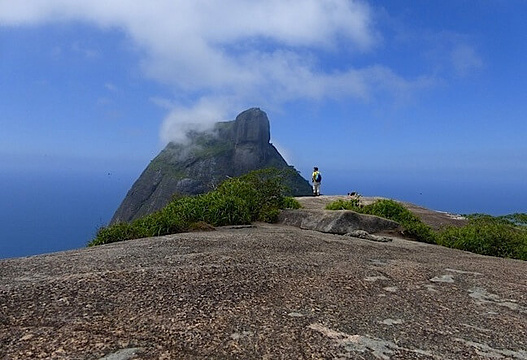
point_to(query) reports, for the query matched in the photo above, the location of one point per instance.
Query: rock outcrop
(263, 292)
(339, 222)
(231, 149)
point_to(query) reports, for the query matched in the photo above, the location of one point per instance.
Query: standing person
(316, 178)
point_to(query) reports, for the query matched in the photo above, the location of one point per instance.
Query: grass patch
(352, 204)
(502, 236)
(256, 196)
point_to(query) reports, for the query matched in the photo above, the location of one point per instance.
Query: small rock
(391, 322)
(391, 288)
(295, 314)
(27, 337)
(443, 278)
(123, 354)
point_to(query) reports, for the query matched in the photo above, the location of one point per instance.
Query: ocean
(42, 213)
(457, 196)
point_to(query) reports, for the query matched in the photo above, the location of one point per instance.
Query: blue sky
(372, 92)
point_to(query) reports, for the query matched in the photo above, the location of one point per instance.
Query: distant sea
(44, 213)
(458, 196)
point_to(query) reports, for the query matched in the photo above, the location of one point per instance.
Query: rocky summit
(266, 292)
(230, 149)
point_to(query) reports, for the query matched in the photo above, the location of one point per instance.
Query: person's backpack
(318, 177)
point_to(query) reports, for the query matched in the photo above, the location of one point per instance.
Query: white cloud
(85, 51)
(451, 53)
(465, 59)
(111, 87)
(232, 53)
(182, 119)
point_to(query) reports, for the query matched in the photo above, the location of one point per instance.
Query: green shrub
(516, 219)
(241, 189)
(109, 234)
(228, 210)
(263, 190)
(411, 224)
(290, 203)
(503, 236)
(161, 223)
(487, 235)
(258, 195)
(420, 232)
(352, 204)
(270, 215)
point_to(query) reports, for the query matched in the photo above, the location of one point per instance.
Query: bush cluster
(504, 236)
(256, 196)
(487, 235)
(351, 204)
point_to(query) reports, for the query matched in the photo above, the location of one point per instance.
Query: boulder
(335, 221)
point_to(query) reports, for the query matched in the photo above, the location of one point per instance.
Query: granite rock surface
(263, 292)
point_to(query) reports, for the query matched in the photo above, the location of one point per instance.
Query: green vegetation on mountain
(256, 196)
(503, 236)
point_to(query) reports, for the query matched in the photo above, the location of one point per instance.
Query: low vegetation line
(261, 194)
(256, 196)
(503, 236)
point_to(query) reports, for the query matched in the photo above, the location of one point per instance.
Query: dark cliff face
(232, 149)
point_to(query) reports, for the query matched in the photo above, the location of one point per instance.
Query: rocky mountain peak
(232, 149)
(252, 125)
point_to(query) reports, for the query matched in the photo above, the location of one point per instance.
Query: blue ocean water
(44, 213)
(494, 196)
(41, 213)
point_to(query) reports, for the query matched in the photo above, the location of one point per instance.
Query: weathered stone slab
(335, 221)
